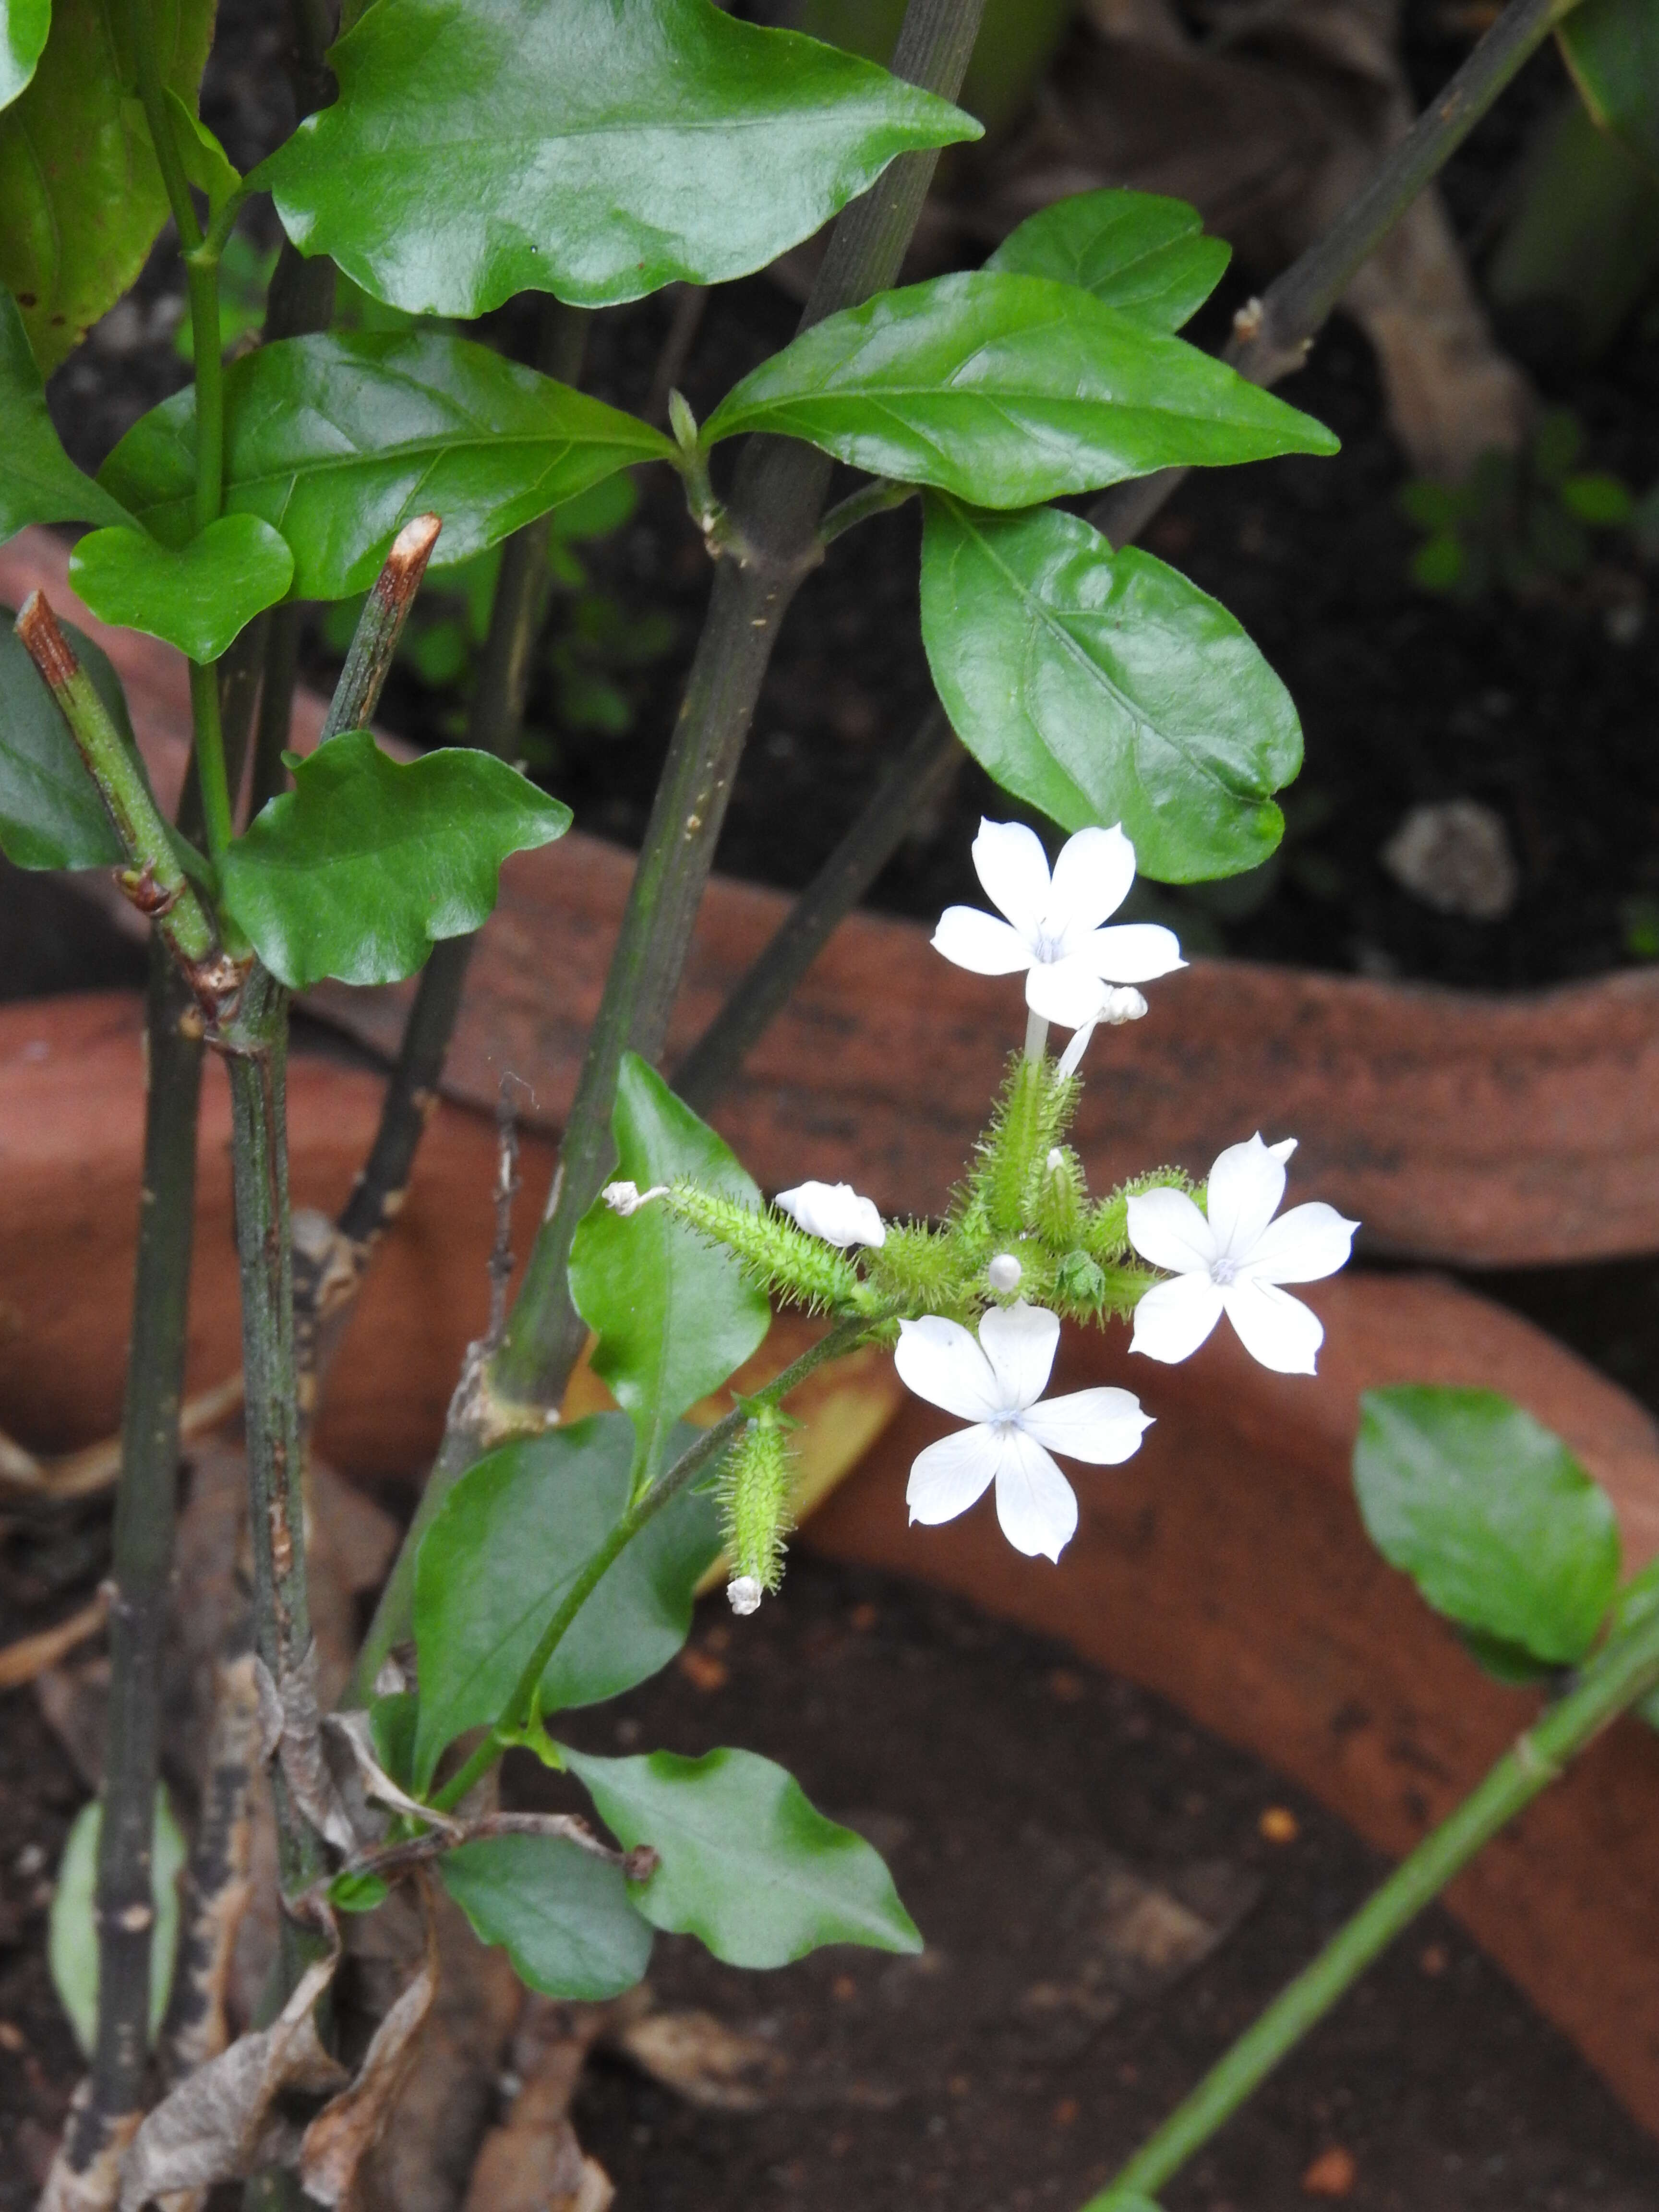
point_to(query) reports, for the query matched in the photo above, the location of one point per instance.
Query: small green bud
(1062, 1195)
(682, 422)
(1079, 1281)
(756, 1482)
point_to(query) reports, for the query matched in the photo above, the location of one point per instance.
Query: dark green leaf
(1102, 687)
(39, 482)
(563, 1914)
(72, 1937)
(1612, 47)
(339, 441)
(747, 1864)
(203, 159)
(592, 150)
(392, 1721)
(23, 27)
(50, 814)
(199, 597)
(673, 1316)
(1490, 1514)
(82, 196)
(1006, 390)
(499, 1556)
(1595, 496)
(360, 869)
(1141, 253)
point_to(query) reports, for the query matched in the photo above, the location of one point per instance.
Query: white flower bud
(835, 1212)
(1056, 1159)
(744, 1593)
(626, 1198)
(1123, 1003)
(1004, 1272)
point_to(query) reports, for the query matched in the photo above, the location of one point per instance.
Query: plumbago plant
(451, 155)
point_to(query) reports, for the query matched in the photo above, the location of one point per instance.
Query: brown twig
(30, 1656)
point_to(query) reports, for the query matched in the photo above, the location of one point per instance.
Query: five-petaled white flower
(1234, 1260)
(996, 1384)
(1053, 930)
(835, 1212)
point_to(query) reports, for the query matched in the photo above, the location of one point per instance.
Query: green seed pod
(755, 1483)
(776, 1255)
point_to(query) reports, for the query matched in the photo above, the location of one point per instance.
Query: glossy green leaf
(50, 814)
(206, 164)
(499, 1556)
(1490, 1514)
(39, 482)
(673, 1314)
(480, 148)
(81, 194)
(1102, 687)
(563, 1915)
(1140, 253)
(200, 596)
(23, 27)
(747, 1864)
(72, 1933)
(338, 442)
(360, 869)
(1006, 390)
(1612, 48)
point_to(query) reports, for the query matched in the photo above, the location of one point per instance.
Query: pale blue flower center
(1222, 1272)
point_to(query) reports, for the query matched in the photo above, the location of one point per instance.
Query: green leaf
(39, 482)
(592, 150)
(1490, 1514)
(502, 1551)
(1596, 497)
(23, 27)
(338, 442)
(673, 1314)
(199, 597)
(358, 1892)
(205, 162)
(1102, 687)
(1612, 48)
(1006, 390)
(1140, 253)
(72, 1933)
(747, 1864)
(360, 869)
(51, 813)
(83, 194)
(563, 1915)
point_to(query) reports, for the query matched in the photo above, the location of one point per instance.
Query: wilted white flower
(1234, 1260)
(744, 1593)
(835, 1212)
(996, 1383)
(1004, 1273)
(1053, 930)
(1119, 1002)
(626, 1198)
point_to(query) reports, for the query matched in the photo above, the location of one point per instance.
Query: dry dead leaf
(216, 1877)
(87, 2178)
(348, 2127)
(532, 2162)
(701, 2059)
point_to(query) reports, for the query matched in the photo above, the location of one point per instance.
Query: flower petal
(1245, 1188)
(981, 943)
(1103, 1427)
(1303, 1245)
(1019, 1341)
(1035, 1504)
(1174, 1318)
(1065, 991)
(1130, 952)
(1168, 1229)
(952, 1474)
(1013, 867)
(835, 1212)
(939, 1360)
(1274, 1327)
(1092, 877)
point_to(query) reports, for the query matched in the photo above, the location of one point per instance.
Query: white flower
(626, 1198)
(1053, 929)
(996, 1383)
(1119, 1002)
(1234, 1262)
(835, 1212)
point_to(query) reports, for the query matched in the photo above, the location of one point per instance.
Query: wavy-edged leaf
(563, 1915)
(39, 482)
(360, 869)
(338, 442)
(499, 1556)
(79, 183)
(1490, 1515)
(23, 27)
(1141, 252)
(1103, 687)
(199, 596)
(590, 149)
(1008, 390)
(51, 813)
(674, 1316)
(72, 1936)
(747, 1864)
(1612, 48)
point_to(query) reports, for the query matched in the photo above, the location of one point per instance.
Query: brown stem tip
(45, 643)
(406, 564)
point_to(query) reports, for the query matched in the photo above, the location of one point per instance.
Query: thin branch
(876, 497)
(379, 626)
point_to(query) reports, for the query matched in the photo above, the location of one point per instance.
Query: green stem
(210, 769)
(519, 1710)
(380, 624)
(202, 284)
(876, 497)
(1623, 1673)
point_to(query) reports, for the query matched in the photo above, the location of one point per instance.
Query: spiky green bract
(1063, 1194)
(923, 1271)
(1005, 1184)
(782, 1259)
(1106, 1225)
(755, 1483)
